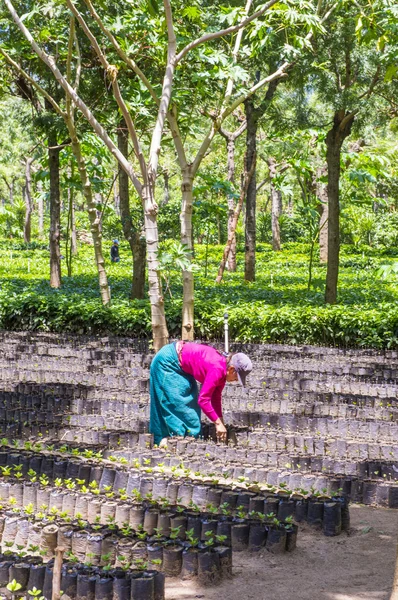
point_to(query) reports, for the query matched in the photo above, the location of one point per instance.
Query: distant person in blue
(115, 251)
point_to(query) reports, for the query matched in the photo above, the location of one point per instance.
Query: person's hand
(221, 431)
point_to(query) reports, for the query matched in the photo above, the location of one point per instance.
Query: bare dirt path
(355, 567)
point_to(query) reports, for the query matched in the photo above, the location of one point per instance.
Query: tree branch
(279, 73)
(111, 72)
(33, 82)
(349, 117)
(175, 132)
(52, 65)
(72, 34)
(133, 66)
(372, 84)
(78, 62)
(233, 135)
(235, 52)
(212, 36)
(260, 185)
(230, 109)
(166, 94)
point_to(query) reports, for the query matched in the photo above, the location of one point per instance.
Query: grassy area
(277, 307)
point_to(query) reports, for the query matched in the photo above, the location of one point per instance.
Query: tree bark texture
(28, 201)
(40, 208)
(73, 227)
(335, 137)
(55, 210)
(231, 204)
(134, 238)
(251, 196)
(322, 195)
(276, 205)
(98, 201)
(166, 192)
(159, 326)
(116, 197)
(186, 239)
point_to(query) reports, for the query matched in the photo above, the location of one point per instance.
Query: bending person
(175, 402)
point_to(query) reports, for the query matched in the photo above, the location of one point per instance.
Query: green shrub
(276, 308)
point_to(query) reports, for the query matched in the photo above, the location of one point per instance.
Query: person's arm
(216, 400)
(209, 385)
(210, 400)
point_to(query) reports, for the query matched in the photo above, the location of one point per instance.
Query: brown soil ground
(359, 566)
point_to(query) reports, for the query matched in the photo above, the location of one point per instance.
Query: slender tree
(231, 138)
(322, 195)
(28, 200)
(55, 209)
(357, 60)
(131, 233)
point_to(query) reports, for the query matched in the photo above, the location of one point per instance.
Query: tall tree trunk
(92, 215)
(71, 238)
(335, 137)
(11, 191)
(98, 202)
(68, 240)
(251, 196)
(230, 138)
(237, 211)
(28, 200)
(276, 202)
(231, 203)
(40, 208)
(186, 238)
(116, 197)
(166, 193)
(73, 227)
(134, 238)
(322, 195)
(55, 209)
(159, 326)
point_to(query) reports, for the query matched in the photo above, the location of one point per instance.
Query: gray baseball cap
(243, 366)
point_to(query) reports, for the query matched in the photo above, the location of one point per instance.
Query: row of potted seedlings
(242, 527)
(109, 547)
(159, 463)
(273, 372)
(25, 573)
(237, 459)
(267, 357)
(114, 486)
(337, 427)
(261, 446)
(293, 474)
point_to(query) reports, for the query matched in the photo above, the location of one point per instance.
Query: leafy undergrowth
(276, 308)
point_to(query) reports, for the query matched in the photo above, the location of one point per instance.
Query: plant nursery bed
(316, 433)
(359, 566)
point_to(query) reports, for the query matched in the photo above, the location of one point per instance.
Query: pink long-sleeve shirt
(210, 369)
